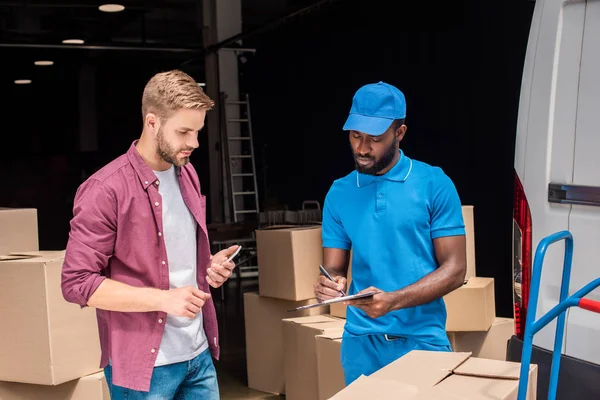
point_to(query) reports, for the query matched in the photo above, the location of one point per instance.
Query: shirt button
(164, 262)
(160, 321)
(380, 195)
(145, 182)
(156, 204)
(157, 182)
(153, 351)
(159, 233)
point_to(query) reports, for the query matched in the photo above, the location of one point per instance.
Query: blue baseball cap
(374, 107)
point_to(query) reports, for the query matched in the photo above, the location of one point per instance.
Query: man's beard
(378, 165)
(166, 153)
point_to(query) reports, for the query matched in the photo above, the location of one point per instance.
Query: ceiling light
(73, 41)
(202, 84)
(23, 81)
(111, 7)
(44, 63)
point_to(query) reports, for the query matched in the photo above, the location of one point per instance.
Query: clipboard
(335, 300)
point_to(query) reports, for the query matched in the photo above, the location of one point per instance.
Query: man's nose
(363, 148)
(193, 143)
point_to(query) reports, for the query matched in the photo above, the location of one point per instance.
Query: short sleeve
(334, 235)
(446, 207)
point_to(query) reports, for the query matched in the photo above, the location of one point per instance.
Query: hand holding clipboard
(342, 298)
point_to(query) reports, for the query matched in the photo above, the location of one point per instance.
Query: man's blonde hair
(166, 92)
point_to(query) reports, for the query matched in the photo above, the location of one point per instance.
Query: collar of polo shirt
(398, 173)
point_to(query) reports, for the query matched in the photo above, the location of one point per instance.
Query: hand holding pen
(328, 287)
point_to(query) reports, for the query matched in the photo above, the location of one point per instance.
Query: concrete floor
(231, 368)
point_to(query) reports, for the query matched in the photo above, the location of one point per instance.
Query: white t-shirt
(183, 338)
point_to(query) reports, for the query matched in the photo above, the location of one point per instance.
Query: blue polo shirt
(389, 222)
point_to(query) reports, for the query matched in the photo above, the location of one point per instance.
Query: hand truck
(532, 326)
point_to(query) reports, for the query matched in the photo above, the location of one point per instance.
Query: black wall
(459, 65)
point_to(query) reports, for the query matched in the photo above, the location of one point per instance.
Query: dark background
(458, 63)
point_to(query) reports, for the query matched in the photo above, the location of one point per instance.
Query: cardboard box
(18, 230)
(300, 358)
(376, 389)
(43, 338)
(467, 212)
(330, 374)
(491, 344)
(288, 261)
(471, 307)
(429, 375)
(264, 339)
(91, 387)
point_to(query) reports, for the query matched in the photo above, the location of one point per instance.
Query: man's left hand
(220, 269)
(376, 306)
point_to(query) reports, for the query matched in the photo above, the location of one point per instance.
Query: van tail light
(521, 256)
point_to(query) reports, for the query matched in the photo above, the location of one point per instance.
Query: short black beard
(380, 164)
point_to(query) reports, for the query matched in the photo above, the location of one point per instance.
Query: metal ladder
(240, 164)
(532, 326)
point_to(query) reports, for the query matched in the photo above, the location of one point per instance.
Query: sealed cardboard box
(491, 344)
(288, 261)
(43, 339)
(330, 374)
(432, 375)
(467, 212)
(91, 387)
(471, 307)
(264, 339)
(18, 230)
(300, 358)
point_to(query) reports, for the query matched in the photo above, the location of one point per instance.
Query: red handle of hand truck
(590, 305)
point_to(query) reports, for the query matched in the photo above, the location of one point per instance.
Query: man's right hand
(326, 289)
(183, 302)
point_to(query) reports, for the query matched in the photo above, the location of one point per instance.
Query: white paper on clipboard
(335, 300)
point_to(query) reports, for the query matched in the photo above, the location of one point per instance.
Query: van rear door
(583, 327)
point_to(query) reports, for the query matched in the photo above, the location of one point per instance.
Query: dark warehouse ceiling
(145, 31)
(175, 24)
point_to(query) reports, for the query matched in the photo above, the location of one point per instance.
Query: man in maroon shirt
(138, 252)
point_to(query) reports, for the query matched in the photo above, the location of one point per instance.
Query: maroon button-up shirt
(116, 233)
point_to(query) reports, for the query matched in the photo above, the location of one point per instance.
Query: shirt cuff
(337, 244)
(443, 232)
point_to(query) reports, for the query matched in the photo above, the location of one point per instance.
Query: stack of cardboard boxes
(280, 346)
(49, 349)
(303, 352)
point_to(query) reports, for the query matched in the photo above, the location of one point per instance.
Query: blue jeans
(363, 355)
(194, 379)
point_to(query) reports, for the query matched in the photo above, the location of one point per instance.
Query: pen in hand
(324, 272)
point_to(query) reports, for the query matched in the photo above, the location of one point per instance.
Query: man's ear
(400, 132)
(152, 122)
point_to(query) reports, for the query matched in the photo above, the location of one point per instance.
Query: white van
(558, 155)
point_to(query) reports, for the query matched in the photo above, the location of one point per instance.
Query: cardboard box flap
(289, 228)
(334, 334)
(477, 282)
(34, 256)
(315, 319)
(423, 369)
(373, 388)
(440, 393)
(9, 258)
(484, 368)
(324, 326)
